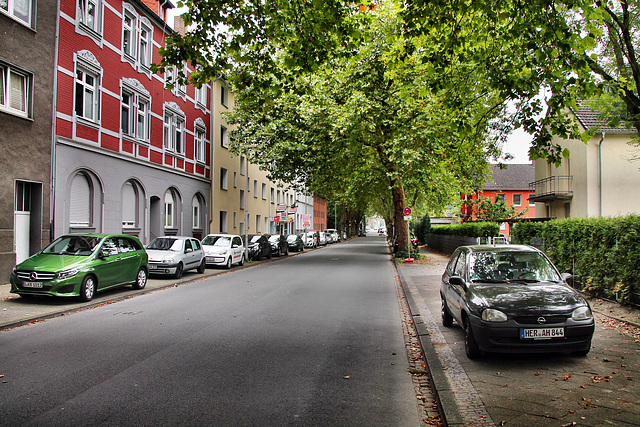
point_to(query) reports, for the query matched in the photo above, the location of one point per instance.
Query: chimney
(178, 25)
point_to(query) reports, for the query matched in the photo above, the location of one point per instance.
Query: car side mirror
(235, 245)
(188, 250)
(567, 277)
(458, 281)
(103, 254)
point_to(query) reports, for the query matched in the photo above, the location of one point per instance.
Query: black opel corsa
(511, 298)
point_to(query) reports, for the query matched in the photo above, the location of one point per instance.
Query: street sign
(407, 218)
(407, 211)
(276, 219)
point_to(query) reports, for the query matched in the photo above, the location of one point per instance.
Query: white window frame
(224, 178)
(8, 91)
(224, 137)
(200, 143)
(255, 188)
(243, 165)
(242, 196)
(85, 87)
(86, 201)
(519, 201)
(169, 209)
(139, 110)
(145, 47)
(131, 30)
(201, 96)
(24, 18)
(224, 95)
(195, 209)
(174, 129)
(129, 207)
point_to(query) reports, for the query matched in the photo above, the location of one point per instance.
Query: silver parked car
(173, 255)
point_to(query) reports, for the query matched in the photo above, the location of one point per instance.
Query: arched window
(80, 201)
(129, 206)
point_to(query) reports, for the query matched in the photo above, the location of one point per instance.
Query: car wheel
(179, 271)
(471, 347)
(228, 265)
(242, 260)
(141, 279)
(447, 318)
(88, 288)
(202, 267)
(269, 256)
(258, 257)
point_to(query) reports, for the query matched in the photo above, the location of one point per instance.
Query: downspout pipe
(600, 170)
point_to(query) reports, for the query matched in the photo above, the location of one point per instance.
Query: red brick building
(512, 184)
(130, 154)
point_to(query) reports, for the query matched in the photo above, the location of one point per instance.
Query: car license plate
(152, 267)
(37, 285)
(541, 333)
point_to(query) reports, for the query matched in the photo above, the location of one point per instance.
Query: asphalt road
(310, 340)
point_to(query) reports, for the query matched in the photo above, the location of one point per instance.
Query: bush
(469, 229)
(602, 254)
(422, 228)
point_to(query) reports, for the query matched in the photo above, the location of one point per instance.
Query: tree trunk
(401, 226)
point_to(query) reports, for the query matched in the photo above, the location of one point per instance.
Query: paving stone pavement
(525, 390)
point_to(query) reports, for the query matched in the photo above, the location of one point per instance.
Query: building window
(201, 96)
(235, 180)
(89, 14)
(500, 196)
(223, 221)
(87, 94)
(241, 199)
(129, 206)
(196, 212)
(243, 165)
(272, 196)
(264, 191)
(517, 200)
(235, 219)
(224, 95)
(255, 188)
(22, 10)
(169, 206)
(200, 144)
(224, 138)
(259, 224)
(174, 134)
(15, 91)
(129, 35)
(223, 178)
(80, 201)
(145, 46)
(135, 110)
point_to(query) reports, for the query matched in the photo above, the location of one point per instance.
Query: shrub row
(470, 229)
(603, 254)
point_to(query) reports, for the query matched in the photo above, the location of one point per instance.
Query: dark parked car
(82, 264)
(279, 245)
(414, 243)
(511, 298)
(258, 247)
(295, 242)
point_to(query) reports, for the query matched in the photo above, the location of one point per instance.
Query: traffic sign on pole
(407, 211)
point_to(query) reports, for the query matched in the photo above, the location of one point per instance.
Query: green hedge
(469, 229)
(602, 253)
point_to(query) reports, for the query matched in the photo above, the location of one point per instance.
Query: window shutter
(80, 201)
(129, 205)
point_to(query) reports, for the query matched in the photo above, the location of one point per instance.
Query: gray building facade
(27, 60)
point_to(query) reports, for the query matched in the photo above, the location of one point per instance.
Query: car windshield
(254, 239)
(511, 266)
(166, 244)
(274, 238)
(73, 245)
(310, 235)
(223, 241)
(292, 238)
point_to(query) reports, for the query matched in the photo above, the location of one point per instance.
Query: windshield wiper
(488, 281)
(523, 281)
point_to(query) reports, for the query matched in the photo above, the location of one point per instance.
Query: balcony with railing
(551, 188)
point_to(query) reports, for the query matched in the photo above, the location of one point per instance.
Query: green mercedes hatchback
(79, 265)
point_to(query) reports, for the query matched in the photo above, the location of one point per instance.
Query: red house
(130, 155)
(511, 184)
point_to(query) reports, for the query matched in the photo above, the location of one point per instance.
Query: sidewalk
(552, 390)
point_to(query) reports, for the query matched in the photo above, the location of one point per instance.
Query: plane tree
(369, 124)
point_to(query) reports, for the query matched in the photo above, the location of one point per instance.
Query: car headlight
(582, 313)
(168, 261)
(68, 273)
(493, 315)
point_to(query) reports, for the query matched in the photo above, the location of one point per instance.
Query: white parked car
(174, 255)
(310, 239)
(335, 236)
(223, 249)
